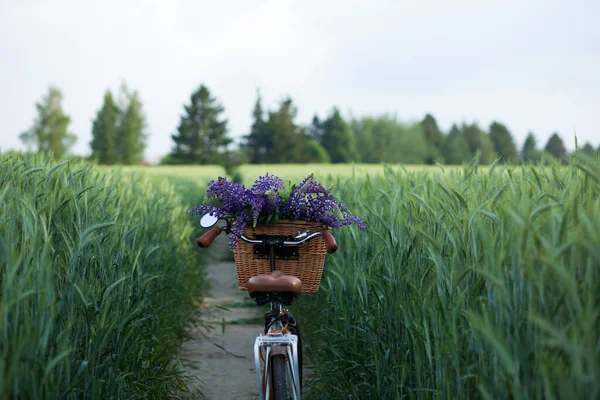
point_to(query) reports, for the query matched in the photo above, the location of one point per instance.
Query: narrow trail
(220, 352)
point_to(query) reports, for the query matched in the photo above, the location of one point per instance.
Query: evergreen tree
(258, 143)
(278, 139)
(432, 133)
(49, 132)
(529, 153)
(455, 148)
(478, 140)
(588, 149)
(131, 138)
(503, 142)
(556, 147)
(202, 133)
(104, 132)
(289, 141)
(315, 130)
(338, 140)
(433, 137)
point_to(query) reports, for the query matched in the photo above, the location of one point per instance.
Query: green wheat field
(471, 282)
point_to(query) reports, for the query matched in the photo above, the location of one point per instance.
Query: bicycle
(277, 351)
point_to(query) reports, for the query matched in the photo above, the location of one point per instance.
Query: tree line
(202, 136)
(118, 130)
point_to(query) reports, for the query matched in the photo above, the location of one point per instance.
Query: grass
(97, 282)
(473, 282)
(200, 175)
(468, 285)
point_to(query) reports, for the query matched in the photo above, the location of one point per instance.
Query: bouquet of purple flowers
(269, 200)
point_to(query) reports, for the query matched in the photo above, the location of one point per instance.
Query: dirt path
(220, 353)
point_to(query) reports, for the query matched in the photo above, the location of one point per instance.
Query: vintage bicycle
(277, 350)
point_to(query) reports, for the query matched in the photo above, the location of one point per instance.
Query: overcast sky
(532, 65)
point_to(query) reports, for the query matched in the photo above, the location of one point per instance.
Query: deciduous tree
(385, 139)
(317, 153)
(49, 132)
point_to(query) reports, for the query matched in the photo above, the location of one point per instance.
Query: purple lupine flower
(257, 203)
(237, 227)
(266, 183)
(309, 201)
(234, 196)
(265, 196)
(208, 209)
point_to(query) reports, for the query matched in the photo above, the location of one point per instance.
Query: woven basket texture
(308, 266)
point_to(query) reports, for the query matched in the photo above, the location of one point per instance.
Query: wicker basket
(308, 266)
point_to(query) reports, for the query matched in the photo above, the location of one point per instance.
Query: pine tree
(455, 148)
(315, 130)
(588, 149)
(202, 133)
(289, 141)
(257, 143)
(529, 153)
(131, 138)
(49, 132)
(478, 140)
(503, 142)
(338, 140)
(434, 139)
(278, 139)
(104, 132)
(432, 133)
(556, 148)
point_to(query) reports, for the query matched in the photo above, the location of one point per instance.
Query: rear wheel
(278, 377)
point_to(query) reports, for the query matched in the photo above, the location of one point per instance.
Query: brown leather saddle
(276, 281)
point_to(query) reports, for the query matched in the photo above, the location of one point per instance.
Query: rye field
(467, 285)
(98, 280)
(472, 282)
(200, 175)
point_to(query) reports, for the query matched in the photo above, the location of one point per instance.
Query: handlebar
(206, 239)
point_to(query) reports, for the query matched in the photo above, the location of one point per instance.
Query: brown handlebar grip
(329, 242)
(205, 240)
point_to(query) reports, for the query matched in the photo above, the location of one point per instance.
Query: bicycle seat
(276, 281)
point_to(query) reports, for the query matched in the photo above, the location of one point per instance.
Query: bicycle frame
(280, 343)
(276, 340)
